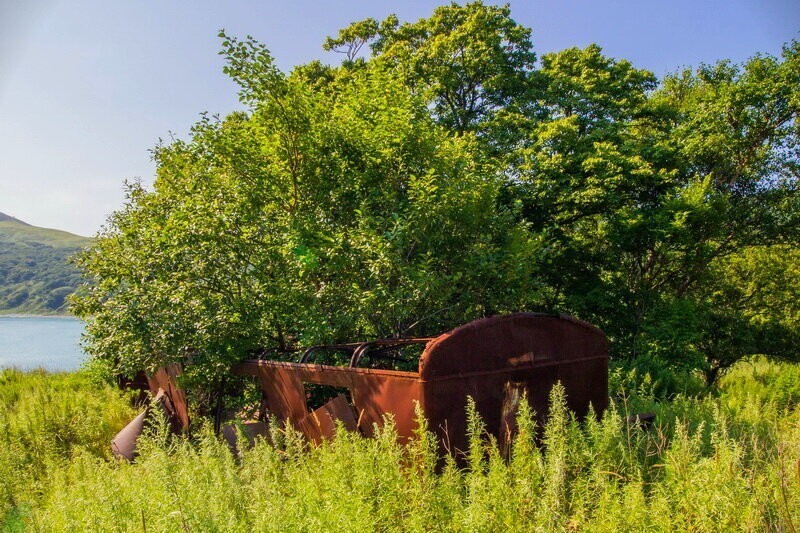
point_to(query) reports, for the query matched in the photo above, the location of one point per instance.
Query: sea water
(51, 343)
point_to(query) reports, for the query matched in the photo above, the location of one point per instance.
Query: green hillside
(35, 274)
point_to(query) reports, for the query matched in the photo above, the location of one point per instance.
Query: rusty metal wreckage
(494, 361)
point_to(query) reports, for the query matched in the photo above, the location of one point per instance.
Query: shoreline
(24, 315)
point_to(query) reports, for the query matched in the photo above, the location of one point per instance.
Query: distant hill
(35, 274)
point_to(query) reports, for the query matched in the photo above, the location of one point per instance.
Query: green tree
(316, 216)
(753, 305)
(640, 190)
(471, 61)
(447, 176)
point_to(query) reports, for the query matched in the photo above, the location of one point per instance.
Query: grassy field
(723, 461)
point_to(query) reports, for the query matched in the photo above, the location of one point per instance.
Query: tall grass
(46, 420)
(720, 462)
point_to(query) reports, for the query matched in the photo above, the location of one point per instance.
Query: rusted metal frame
(381, 352)
(362, 348)
(311, 373)
(344, 348)
(494, 360)
(386, 344)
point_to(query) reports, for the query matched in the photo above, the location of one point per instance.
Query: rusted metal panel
(166, 379)
(376, 396)
(123, 445)
(536, 351)
(374, 393)
(321, 423)
(249, 429)
(513, 341)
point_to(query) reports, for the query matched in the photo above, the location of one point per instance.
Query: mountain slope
(35, 273)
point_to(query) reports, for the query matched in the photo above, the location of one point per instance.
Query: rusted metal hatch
(494, 360)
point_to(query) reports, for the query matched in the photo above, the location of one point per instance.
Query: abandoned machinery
(495, 361)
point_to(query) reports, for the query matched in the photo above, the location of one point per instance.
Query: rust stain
(513, 392)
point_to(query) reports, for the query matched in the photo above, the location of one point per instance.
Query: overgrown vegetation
(448, 174)
(46, 420)
(728, 461)
(36, 276)
(443, 172)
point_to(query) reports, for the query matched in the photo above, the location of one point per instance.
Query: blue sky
(87, 87)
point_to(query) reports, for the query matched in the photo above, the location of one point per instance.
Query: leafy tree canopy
(448, 175)
(316, 216)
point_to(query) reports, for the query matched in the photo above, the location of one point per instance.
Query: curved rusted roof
(511, 341)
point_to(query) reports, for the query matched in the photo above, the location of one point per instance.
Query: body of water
(40, 342)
